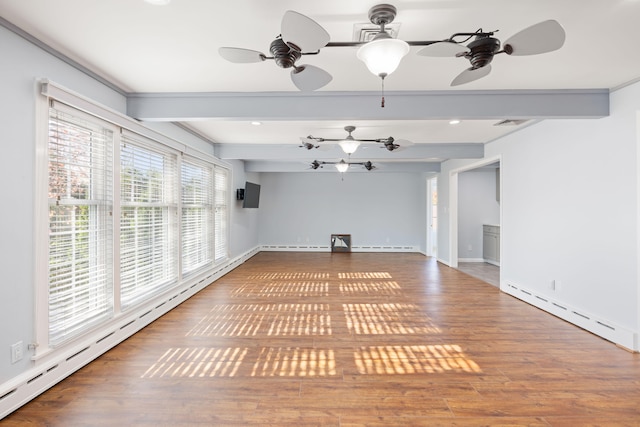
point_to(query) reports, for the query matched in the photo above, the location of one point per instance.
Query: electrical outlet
(16, 352)
(469, 248)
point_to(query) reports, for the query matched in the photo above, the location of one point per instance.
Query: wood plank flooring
(359, 339)
(482, 270)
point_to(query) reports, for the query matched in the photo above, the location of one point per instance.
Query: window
(148, 220)
(122, 216)
(80, 223)
(197, 216)
(221, 214)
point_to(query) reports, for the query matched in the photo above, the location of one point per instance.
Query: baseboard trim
(608, 330)
(327, 248)
(478, 260)
(54, 367)
(443, 262)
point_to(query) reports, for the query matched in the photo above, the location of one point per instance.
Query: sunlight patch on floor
(415, 359)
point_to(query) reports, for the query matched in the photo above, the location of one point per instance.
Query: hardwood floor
(297, 339)
(482, 270)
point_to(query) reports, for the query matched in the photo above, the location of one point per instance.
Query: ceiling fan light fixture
(342, 166)
(383, 54)
(349, 146)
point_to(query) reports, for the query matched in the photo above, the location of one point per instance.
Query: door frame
(453, 204)
(429, 239)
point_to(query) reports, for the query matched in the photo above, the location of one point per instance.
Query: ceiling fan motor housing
(481, 51)
(382, 14)
(284, 55)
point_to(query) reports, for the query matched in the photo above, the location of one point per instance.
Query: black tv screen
(251, 195)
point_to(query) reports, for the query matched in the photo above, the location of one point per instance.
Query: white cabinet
(491, 243)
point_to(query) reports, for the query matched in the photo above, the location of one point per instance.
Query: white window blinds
(148, 220)
(124, 214)
(80, 223)
(197, 215)
(221, 213)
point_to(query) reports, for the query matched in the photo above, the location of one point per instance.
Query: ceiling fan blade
(443, 49)
(543, 37)
(303, 32)
(241, 56)
(403, 143)
(397, 145)
(308, 77)
(471, 74)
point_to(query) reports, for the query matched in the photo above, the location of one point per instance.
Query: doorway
(473, 204)
(432, 217)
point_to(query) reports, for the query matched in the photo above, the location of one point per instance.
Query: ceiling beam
(421, 152)
(466, 105)
(404, 167)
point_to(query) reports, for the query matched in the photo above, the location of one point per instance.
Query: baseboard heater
(610, 331)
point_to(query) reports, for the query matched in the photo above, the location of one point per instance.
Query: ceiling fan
(299, 35)
(349, 144)
(342, 166)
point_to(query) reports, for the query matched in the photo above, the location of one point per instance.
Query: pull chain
(382, 76)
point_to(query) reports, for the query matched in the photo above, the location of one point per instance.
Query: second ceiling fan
(349, 144)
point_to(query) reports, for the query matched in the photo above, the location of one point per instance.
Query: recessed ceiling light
(158, 2)
(454, 122)
(256, 123)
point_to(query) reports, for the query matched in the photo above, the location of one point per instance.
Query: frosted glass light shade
(382, 56)
(342, 166)
(349, 146)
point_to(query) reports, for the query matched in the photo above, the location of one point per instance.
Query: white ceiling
(142, 48)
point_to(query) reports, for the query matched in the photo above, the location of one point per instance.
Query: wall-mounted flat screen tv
(251, 195)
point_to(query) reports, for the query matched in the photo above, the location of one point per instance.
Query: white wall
(376, 208)
(477, 205)
(570, 210)
(244, 222)
(22, 64)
